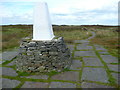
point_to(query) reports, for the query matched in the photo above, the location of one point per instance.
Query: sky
(62, 12)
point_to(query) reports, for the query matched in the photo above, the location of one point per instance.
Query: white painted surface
(42, 27)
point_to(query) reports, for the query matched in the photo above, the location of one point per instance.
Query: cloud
(63, 11)
(89, 11)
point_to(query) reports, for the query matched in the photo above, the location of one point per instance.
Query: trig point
(42, 27)
(44, 52)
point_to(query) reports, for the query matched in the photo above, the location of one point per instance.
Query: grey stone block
(7, 83)
(92, 61)
(62, 85)
(94, 85)
(84, 47)
(37, 76)
(113, 67)
(98, 47)
(76, 65)
(109, 59)
(8, 71)
(84, 53)
(35, 85)
(103, 52)
(81, 41)
(70, 76)
(9, 55)
(95, 74)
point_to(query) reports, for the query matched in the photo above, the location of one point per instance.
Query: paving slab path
(92, 67)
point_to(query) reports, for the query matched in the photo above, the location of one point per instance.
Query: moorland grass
(12, 34)
(109, 39)
(105, 35)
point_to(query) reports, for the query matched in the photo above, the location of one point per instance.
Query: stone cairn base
(43, 56)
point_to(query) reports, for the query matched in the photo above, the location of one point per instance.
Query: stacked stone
(43, 56)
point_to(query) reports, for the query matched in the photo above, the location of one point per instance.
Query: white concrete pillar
(42, 27)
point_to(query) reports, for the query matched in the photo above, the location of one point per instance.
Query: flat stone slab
(0, 83)
(95, 74)
(70, 76)
(7, 83)
(109, 59)
(0, 71)
(76, 65)
(103, 52)
(62, 85)
(81, 41)
(94, 85)
(8, 71)
(84, 53)
(113, 67)
(117, 77)
(84, 47)
(92, 61)
(71, 47)
(99, 47)
(35, 85)
(37, 76)
(0, 56)
(9, 55)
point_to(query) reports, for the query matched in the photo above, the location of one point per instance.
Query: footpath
(92, 67)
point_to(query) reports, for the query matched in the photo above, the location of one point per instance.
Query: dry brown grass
(109, 39)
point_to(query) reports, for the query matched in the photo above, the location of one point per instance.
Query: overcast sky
(70, 12)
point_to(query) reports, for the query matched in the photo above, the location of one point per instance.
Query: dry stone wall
(43, 56)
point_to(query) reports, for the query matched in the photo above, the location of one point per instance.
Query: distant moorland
(105, 35)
